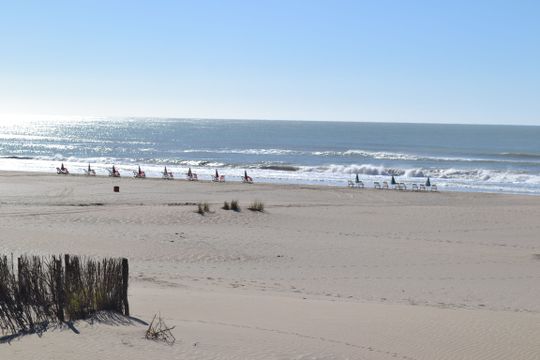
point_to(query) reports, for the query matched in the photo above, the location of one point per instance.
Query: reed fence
(38, 289)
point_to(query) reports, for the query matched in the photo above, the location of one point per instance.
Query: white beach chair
(434, 187)
(360, 184)
(402, 186)
(414, 187)
(376, 185)
(193, 177)
(385, 185)
(63, 171)
(90, 172)
(351, 183)
(247, 180)
(422, 187)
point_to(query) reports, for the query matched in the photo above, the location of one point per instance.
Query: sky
(382, 61)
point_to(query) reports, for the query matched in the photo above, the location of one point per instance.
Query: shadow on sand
(103, 317)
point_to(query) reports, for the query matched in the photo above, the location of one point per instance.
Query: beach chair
(402, 186)
(247, 180)
(376, 185)
(139, 174)
(193, 177)
(114, 173)
(434, 187)
(422, 187)
(385, 185)
(167, 175)
(360, 184)
(351, 183)
(414, 187)
(220, 178)
(63, 171)
(90, 172)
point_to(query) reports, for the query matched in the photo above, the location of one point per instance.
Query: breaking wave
(475, 175)
(518, 158)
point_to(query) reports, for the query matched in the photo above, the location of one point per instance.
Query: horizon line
(44, 117)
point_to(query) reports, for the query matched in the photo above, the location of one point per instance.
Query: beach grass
(256, 206)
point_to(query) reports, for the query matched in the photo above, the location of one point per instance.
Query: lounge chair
(193, 177)
(220, 178)
(61, 171)
(385, 185)
(90, 172)
(414, 187)
(351, 183)
(167, 175)
(114, 173)
(422, 187)
(247, 180)
(402, 186)
(434, 187)
(360, 184)
(377, 185)
(139, 174)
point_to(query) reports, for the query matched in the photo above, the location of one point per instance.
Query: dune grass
(256, 206)
(235, 206)
(203, 208)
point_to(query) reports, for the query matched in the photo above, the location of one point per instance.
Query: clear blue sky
(407, 61)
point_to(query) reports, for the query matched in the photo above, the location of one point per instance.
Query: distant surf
(456, 157)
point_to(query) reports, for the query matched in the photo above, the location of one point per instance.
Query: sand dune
(324, 273)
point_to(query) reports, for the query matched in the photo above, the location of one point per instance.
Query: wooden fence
(41, 289)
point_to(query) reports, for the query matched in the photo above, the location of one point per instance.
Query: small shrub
(235, 206)
(200, 209)
(257, 206)
(226, 206)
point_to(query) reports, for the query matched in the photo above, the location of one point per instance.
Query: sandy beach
(323, 273)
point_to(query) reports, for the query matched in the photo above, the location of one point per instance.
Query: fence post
(125, 277)
(59, 289)
(67, 272)
(19, 273)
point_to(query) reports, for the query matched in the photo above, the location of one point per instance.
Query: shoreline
(271, 184)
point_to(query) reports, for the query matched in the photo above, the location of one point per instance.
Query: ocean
(479, 158)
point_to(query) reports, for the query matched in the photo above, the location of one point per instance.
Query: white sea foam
(337, 175)
(375, 155)
(246, 151)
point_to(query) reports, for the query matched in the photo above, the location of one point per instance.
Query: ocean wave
(520, 155)
(15, 157)
(279, 167)
(476, 175)
(375, 155)
(246, 151)
(334, 174)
